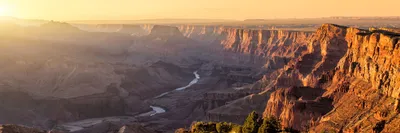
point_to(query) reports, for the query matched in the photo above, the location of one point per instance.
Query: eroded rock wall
(371, 68)
(358, 71)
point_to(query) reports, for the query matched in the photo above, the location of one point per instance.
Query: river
(79, 125)
(159, 110)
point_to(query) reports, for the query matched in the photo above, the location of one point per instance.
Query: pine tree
(270, 125)
(251, 124)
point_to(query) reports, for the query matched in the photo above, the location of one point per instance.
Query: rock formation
(364, 85)
(353, 66)
(294, 105)
(56, 81)
(332, 72)
(338, 78)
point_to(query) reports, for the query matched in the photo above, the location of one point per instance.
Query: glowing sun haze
(201, 9)
(4, 10)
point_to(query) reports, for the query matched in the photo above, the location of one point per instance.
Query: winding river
(159, 110)
(80, 125)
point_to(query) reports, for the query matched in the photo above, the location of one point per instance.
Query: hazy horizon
(180, 9)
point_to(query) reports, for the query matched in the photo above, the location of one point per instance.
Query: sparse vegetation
(253, 124)
(379, 126)
(213, 127)
(270, 125)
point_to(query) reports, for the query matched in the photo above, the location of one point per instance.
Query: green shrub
(203, 127)
(224, 127)
(212, 127)
(270, 125)
(251, 124)
(236, 129)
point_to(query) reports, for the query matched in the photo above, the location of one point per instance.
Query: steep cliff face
(335, 79)
(324, 50)
(358, 70)
(204, 33)
(267, 49)
(265, 42)
(222, 44)
(313, 68)
(256, 42)
(270, 49)
(369, 73)
(294, 105)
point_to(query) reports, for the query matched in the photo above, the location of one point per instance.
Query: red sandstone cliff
(251, 41)
(338, 78)
(365, 85)
(357, 69)
(273, 49)
(265, 42)
(270, 49)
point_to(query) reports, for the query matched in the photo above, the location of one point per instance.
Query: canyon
(94, 78)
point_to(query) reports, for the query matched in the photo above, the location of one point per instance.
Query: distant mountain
(22, 22)
(154, 21)
(59, 26)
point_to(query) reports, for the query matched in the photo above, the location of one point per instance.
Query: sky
(194, 9)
